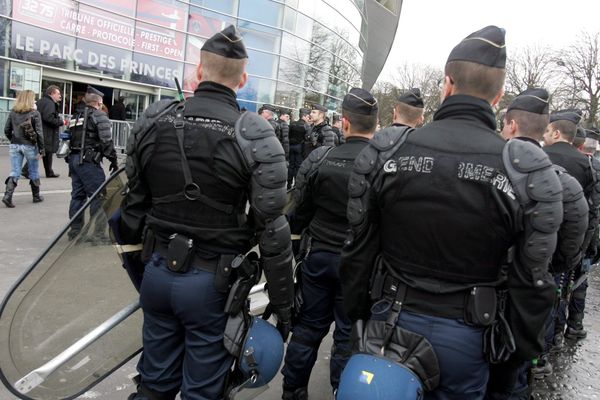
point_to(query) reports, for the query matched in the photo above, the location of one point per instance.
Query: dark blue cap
(228, 43)
(412, 97)
(534, 100)
(593, 133)
(360, 101)
(93, 90)
(319, 107)
(580, 133)
(485, 47)
(572, 115)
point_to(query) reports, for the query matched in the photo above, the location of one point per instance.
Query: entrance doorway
(66, 91)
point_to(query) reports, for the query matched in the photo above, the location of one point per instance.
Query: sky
(429, 29)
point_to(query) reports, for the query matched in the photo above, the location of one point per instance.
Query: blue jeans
(28, 151)
(322, 293)
(183, 330)
(464, 372)
(85, 180)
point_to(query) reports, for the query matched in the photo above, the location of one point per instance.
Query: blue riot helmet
(262, 353)
(377, 378)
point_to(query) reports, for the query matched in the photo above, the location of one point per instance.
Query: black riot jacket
(98, 136)
(568, 157)
(324, 196)
(448, 176)
(216, 164)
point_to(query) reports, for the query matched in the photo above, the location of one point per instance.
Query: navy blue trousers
(295, 161)
(85, 180)
(322, 293)
(183, 332)
(464, 372)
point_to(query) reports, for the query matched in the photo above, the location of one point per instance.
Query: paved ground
(27, 229)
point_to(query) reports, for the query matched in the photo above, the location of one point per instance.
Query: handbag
(28, 130)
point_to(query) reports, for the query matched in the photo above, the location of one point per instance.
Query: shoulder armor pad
(252, 126)
(309, 167)
(257, 140)
(526, 157)
(317, 155)
(387, 138)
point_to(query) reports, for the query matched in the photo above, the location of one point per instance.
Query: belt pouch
(480, 307)
(180, 253)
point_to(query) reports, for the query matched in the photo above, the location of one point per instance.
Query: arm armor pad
(265, 159)
(366, 167)
(539, 193)
(308, 169)
(572, 231)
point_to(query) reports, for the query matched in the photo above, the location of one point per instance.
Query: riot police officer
(321, 196)
(91, 141)
(435, 218)
(281, 130)
(192, 167)
(409, 108)
(299, 131)
(558, 137)
(321, 133)
(526, 119)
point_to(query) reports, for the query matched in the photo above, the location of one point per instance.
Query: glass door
(135, 103)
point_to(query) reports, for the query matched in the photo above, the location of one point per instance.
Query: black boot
(35, 191)
(11, 184)
(298, 394)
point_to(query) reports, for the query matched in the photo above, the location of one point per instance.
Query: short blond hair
(223, 70)
(476, 79)
(25, 101)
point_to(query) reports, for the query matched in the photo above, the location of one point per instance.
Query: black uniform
(299, 131)
(320, 135)
(183, 331)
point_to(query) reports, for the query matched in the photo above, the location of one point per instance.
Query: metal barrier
(120, 132)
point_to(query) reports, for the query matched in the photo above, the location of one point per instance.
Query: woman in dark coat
(24, 130)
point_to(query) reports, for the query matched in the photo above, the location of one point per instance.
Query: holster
(180, 253)
(498, 338)
(248, 274)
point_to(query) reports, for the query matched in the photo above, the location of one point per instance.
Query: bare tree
(580, 65)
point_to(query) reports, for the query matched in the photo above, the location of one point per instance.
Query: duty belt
(198, 261)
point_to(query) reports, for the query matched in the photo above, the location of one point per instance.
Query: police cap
(412, 97)
(93, 90)
(319, 107)
(485, 47)
(572, 115)
(593, 133)
(581, 134)
(360, 101)
(227, 43)
(304, 111)
(534, 100)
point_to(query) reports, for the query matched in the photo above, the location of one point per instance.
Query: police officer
(321, 133)
(321, 196)
(192, 168)
(526, 119)
(558, 137)
(282, 132)
(409, 109)
(91, 141)
(429, 212)
(336, 127)
(299, 131)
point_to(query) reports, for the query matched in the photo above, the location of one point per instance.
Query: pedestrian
(321, 196)
(299, 130)
(526, 119)
(117, 111)
(24, 130)
(321, 133)
(49, 108)
(434, 216)
(193, 198)
(409, 108)
(91, 141)
(558, 138)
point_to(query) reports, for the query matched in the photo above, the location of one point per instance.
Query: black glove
(113, 166)
(284, 321)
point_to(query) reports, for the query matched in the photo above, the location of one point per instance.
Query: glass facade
(300, 51)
